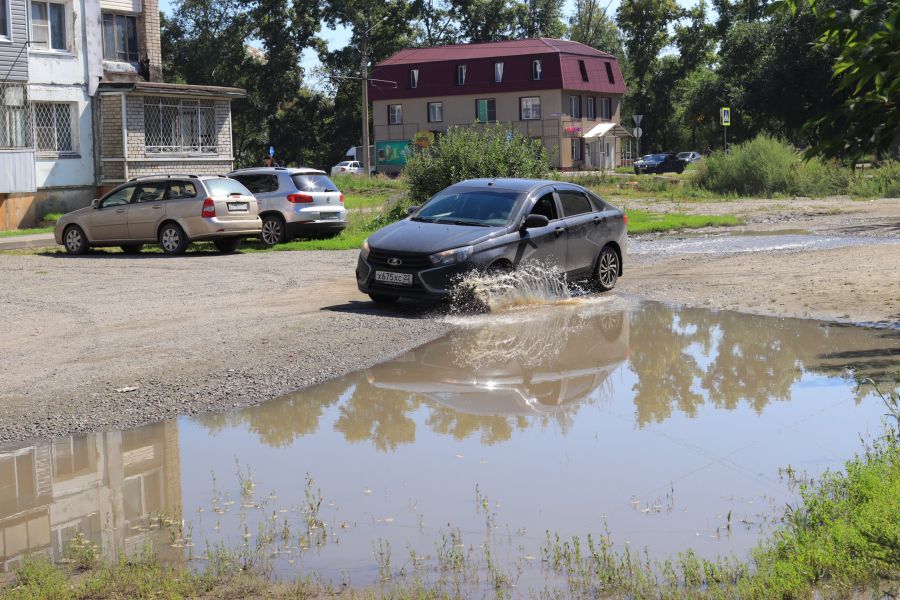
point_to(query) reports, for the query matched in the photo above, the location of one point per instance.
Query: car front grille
(380, 258)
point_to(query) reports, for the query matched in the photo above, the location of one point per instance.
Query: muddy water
(754, 241)
(650, 422)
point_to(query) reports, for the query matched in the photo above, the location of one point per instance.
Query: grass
(640, 221)
(369, 200)
(29, 231)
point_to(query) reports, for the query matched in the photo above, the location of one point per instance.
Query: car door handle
(120, 210)
(559, 231)
(157, 206)
(598, 220)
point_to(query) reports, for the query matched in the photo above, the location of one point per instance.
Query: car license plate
(393, 278)
(238, 206)
(334, 216)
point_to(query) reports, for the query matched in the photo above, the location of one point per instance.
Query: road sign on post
(637, 119)
(725, 116)
(638, 132)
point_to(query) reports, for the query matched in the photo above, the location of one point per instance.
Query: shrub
(815, 178)
(471, 152)
(881, 182)
(762, 166)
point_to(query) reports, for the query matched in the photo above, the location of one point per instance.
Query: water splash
(528, 285)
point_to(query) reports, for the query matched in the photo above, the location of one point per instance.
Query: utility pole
(364, 70)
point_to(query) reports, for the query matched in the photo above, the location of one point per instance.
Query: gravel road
(109, 341)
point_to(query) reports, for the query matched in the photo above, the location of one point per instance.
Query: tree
(485, 20)
(436, 25)
(590, 25)
(866, 71)
(539, 18)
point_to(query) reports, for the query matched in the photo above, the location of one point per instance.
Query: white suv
(294, 202)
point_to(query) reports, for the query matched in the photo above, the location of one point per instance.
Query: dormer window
(498, 72)
(413, 78)
(536, 70)
(460, 74)
(583, 69)
(609, 73)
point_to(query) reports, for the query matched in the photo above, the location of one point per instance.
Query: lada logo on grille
(394, 262)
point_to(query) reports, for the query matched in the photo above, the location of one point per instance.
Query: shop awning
(604, 129)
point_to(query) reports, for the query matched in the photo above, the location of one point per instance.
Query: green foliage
(590, 25)
(640, 221)
(471, 152)
(762, 167)
(881, 182)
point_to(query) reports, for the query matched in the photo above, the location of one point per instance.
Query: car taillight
(342, 198)
(300, 198)
(343, 169)
(625, 218)
(209, 208)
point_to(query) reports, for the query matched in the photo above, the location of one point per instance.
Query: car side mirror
(411, 210)
(95, 202)
(535, 222)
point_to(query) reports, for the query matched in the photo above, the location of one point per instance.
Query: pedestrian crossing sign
(725, 116)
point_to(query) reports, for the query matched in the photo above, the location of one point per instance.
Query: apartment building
(84, 106)
(563, 93)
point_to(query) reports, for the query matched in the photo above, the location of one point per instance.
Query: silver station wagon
(171, 210)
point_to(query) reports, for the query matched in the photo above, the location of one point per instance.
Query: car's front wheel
(75, 240)
(383, 298)
(226, 245)
(172, 239)
(273, 231)
(607, 271)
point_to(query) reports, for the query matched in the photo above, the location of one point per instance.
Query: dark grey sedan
(494, 224)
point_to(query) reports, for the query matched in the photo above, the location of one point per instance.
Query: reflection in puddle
(653, 421)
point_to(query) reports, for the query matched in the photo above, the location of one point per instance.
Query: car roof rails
(168, 176)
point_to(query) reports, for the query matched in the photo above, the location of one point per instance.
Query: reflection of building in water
(103, 485)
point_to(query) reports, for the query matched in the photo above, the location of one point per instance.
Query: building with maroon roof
(564, 93)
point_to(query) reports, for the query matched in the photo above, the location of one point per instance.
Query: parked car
(493, 224)
(172, 210)
(663, 162)
(294, 202)
(690, 157)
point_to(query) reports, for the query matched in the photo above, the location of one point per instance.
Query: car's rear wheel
(172, 239)
(227, 245)
(606, 272)
(131, 248)
(273, 230)
(383, 298)
(74, 240)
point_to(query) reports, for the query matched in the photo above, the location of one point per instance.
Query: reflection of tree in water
(378, 415)
(750, 358)
(493, 428)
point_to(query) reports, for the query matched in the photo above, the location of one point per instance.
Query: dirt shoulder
(111, 341)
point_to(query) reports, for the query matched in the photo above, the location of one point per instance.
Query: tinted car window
(224, 186)
(545, 206)
(574, 203)
(118, 198)
(258, 184)
(488, 208)
(181, 189)
(149, 192)
(313, 183)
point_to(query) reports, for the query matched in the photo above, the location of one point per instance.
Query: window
(536, 70)
(575, 106)
(545, 206)
(15, 116)
(609, 73)
(314, 183)
(120, 197)
(395, 114)
(185, 189)
(120, 39)
(53, 128)
(435, 112)
(576, 149)
(258, 184)
(4, 19)
(460, 74)
(530, 109)
(48, 26)
(606, 109)
(179, 126)
(583, 69)
(149, 192)
(486, 110)
(498, 72)
(574, 203)
(224, 186)
(413, 78)
(591, 108)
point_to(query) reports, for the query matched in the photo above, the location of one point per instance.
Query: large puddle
(663, 428)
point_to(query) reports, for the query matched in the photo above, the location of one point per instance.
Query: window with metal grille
(15, 116)
(48, 26)
(120, 39)
(179, 126)
(53, 131)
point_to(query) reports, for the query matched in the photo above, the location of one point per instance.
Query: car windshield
(483, 208)
(655, 157)
(224, 186)
(313, 182)
(344, 164)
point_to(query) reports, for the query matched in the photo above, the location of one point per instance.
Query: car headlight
(451, 257)
(364, 249)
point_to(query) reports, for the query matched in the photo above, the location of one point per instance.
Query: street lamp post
(364, 69)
